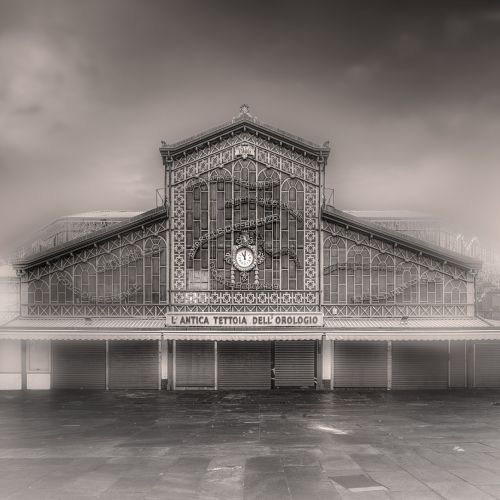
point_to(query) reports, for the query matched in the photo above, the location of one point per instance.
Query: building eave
(331, 214)
(91, 239)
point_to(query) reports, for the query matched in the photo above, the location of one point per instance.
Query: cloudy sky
(408, 93)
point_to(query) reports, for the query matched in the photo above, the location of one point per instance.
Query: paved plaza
(251, 445)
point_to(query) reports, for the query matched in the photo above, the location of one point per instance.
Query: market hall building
(246, 279)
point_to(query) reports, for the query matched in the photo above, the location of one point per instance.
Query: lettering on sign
(244, 320)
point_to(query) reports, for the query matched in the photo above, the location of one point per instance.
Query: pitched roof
(91, 238)
(244, 121)
(332, 214)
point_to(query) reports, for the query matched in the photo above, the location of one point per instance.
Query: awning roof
(21, 334)
(414, 335)
(245, 336)
(399, 323)
(334, 329)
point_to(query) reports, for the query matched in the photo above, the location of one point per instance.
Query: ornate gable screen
(365, 276)
(245, 197)
(121, 276)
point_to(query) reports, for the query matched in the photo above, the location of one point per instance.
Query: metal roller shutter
(133, 365)
(420, 365)
(487, 364)
(244, 365)
(78, 365)
(194, 364)
(360, 364)
(294, 363)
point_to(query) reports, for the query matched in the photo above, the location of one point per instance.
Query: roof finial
(244, 109)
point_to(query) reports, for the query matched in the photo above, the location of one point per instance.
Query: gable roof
(91, 238)
(244, 122)
(331, 214)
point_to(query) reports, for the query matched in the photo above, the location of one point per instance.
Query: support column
(107, 365)
(389, 365)
(332, 380)
(326, 354)
(216, 368)
(174, 366)
(319, 365)
(170, 383)
(24, 376)
(164, 364)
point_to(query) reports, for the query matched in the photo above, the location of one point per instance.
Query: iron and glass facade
(244, 278)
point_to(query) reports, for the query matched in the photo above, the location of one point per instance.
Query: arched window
(334, 258)
(406, 283)
(132, 275)
(61, 288)
(382, 279)
(108, 278)
(292, 233)
(38, 292)
(154, 250)
(431, 287)
(221, 191)
(455, 292)
(269, 235)
(358, 275)
(85, 283)
(197, 222)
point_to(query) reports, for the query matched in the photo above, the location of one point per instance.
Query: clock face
(244, 258)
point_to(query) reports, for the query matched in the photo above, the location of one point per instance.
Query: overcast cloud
(408, 93)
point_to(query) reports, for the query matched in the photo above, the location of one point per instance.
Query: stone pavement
(252, 445)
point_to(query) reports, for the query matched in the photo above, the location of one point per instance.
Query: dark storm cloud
(406, 91)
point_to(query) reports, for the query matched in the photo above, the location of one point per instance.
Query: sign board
(244, 320)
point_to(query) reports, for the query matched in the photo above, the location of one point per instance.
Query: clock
(244, 258)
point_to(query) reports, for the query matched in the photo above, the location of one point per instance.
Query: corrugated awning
(77, 335)
(360, 335)
(245, 336)
(410, 323)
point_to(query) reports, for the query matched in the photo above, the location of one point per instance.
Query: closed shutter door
(487, 364)
(244, 365)
(360, 364)
(78, 365)
(133, 365)
(420, 365)
(194, 364)
(294, 363)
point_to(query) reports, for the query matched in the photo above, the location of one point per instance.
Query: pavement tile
(375, 462)
(266, 464)
(458, 490)
(307, 482)
(426, 494)
(398, 480)
(476, 476)
(491, 489)
(265, 486)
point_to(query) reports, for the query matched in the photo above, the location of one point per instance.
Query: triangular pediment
(244, 122)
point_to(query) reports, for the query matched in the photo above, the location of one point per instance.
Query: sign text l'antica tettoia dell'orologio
(244, 320)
